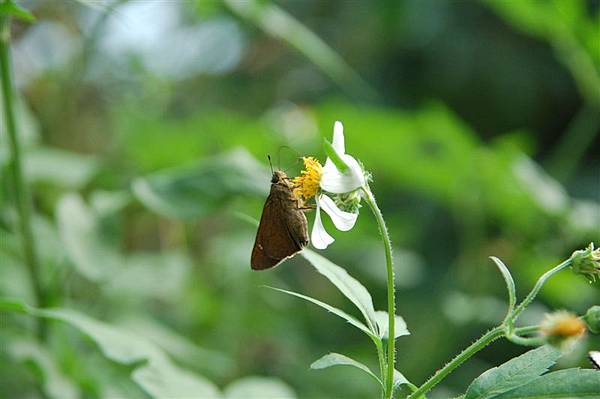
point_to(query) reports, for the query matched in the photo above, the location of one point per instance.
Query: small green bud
(587, 262)
(349, 202)
(592, 319)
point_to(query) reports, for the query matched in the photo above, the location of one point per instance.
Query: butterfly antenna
(270, 163)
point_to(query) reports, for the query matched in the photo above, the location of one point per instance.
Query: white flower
(333, 180)
(336, 182)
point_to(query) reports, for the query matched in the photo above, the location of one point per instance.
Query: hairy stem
(475, 347)
(21, 195)
(536, 289)
(391, 354)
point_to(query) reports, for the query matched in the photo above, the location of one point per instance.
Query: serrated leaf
(258, 388)
(348, 285)
(383, 322)
(193, 191)
(336, 359)
(563, 384)
(512, 374)
(333, 310)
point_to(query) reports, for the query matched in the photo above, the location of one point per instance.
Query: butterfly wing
(282, 232)
(595, 358)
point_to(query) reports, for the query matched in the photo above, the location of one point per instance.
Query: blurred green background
(146, 127)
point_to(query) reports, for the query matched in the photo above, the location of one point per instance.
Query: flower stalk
(475, 347)
(391, 291)
(21, 195)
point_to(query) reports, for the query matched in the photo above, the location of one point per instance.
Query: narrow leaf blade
(333, 310)
(336, 359)
(348, 285)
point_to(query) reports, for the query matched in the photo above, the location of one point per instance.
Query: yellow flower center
(307, 184)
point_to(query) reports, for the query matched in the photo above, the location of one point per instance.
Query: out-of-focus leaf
(258, 388)
(348, 285)
(548, 193)
(333, 310)
(153, 372)
(9, 8)
(78, 229)
(278, 23)
(142, 275)
(336, 359)
(53, 381)
(180, 347)
(163, 380)
(382, 325)
(563, 384)
(62, 168)
(193, 191)
(514, 373)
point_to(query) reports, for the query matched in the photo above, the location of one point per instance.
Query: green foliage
(10, 9)
(513, 374)
(135, 174)
(348, 285)
(195, 191)
(335, 359)
(563, 384)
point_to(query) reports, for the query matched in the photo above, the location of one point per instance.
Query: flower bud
(562, 327)
(587, 262)
(592, 319)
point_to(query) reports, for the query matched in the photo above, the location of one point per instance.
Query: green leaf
(153, 372)
(400, 379)
(333, 310)
(78, 227)
(512, 374)
(383, 322)
(59, 167)
(8, 8)
(194, 191)
(53, 381)
(510, 284)
(258, 388)
(563, 384)
(335, 359)
(348, 285)
(334, 156)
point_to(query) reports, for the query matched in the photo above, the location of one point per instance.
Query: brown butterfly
(283, 229)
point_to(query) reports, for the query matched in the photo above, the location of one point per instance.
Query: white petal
(336, 182)
(342, 220)
(319, 237)
(338, 138)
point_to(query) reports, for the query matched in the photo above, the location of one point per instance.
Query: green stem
(475, 347)
(21, 195)
(536, 289)
(391, 354)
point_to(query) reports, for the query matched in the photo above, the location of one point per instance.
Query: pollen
(306, 185)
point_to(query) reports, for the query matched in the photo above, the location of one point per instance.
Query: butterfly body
(283, 228)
